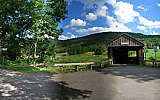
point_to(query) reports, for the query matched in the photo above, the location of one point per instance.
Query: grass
(49, 69)
(65, 58)
(149, 64)
(81, 58)
(21, 69)
(62, 58)
(151, 54)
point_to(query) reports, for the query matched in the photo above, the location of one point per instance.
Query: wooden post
(100, 64)
(91, 67)
(61, 68)
(153, 63)
(77, 67)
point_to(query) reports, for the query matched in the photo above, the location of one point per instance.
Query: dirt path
(113, 83)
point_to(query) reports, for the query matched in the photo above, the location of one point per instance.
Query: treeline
(98, 49)
(97, 42)
(22, 50)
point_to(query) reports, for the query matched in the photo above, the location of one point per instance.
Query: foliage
(100, 49)
(132, 53)
(94, 40)
(14, 20)
(80, 58)
(75, 49)
(45, 17)
(151, 54)
(26, 24)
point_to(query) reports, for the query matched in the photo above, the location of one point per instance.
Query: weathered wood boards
(125, 40)
(119, 47)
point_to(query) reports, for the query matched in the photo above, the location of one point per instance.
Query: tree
(14, 21)
(100, 49)
(46, 17)
(37, 18)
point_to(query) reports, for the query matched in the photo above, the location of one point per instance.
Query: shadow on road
(141, 74)
(66, 93)
(30, 86)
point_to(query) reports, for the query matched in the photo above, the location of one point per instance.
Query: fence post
(77, 67)
(61, 68)
(153, 63)
(91, 67)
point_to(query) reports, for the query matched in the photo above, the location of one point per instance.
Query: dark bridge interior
(120, 55)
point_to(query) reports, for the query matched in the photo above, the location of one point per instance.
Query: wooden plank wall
(121, 41)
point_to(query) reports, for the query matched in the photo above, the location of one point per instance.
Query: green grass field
(81, 58)
(61, 58)
(151, 54)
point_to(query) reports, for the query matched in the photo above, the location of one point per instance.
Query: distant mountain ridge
(104, 38)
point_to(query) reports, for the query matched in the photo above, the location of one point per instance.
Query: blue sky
(92, 16)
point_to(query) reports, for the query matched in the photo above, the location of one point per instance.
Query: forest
(88, 43)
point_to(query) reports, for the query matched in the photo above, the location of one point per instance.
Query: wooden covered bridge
(125, 50)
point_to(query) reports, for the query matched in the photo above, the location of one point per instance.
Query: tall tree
(46, 16)
(14, 19)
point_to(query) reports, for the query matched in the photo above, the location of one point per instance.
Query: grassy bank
(80, 58)
(151, 54)
(50, 69)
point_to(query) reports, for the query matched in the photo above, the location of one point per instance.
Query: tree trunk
(28, 59)
(0, 45)
(1, 50)
(35, 52)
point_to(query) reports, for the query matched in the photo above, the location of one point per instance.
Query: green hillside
(93, 41)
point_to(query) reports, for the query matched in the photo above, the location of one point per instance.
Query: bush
(99, 50)
(151, 58)
(76, 49)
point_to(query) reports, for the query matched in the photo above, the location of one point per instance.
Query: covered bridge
(125, 50)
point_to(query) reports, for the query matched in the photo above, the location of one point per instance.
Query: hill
(93, 41)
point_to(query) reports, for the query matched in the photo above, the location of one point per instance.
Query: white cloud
(95, 3)
(121, 28)
(111, 21)
(148, 23)
(101, 11)
(154, 33)
(91, 17)
(112, 2)
(93, 29)
(143, 28)
(71, 35)
(158, 4)
(63, 37)
(125, 12)
(140, 7)
(114, 24)
(76, 23)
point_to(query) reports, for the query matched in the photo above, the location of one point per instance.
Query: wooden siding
(125, 40)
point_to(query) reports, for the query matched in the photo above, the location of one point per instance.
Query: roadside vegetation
(151, 55)
(29, 32)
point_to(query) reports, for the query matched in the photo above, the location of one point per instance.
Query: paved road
(112, 83)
